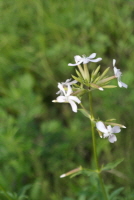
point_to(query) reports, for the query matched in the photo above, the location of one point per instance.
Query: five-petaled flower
(66, 97)
(118, 74)
(85, 60)
(108, 131)
(65, 84)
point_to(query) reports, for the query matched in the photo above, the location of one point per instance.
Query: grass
(38, 140)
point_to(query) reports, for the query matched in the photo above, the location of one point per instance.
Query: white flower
(85, 60)
(108, 131)
(65, 84)
(67, 98)
(118, 74)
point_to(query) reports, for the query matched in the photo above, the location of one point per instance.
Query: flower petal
(116, 129)
(78, 63)
(78, 58)
(115, 70)
(96, 60)
(109, 128)
(69, 91)
(70, 64)
(112, 138)
(74, 98)
(101, 127)
(61, 88)
(61, 99)
(86, 60)
(105, 135)
(92, 55)
(121, 84)
(114, 61)
(67, 81)
(73, 105)
(72, 82)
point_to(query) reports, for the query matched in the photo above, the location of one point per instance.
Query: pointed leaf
(116, 192)
(112, 165)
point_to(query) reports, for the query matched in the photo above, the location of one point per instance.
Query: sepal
(115, 124)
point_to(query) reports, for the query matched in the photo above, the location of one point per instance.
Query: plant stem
(94, 147)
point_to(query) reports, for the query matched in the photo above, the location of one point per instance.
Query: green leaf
(112, 165)
(115, 193)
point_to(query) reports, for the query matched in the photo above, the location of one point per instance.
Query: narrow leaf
(116, 192)
(112, 165)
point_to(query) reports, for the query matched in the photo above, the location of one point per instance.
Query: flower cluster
(71, 91)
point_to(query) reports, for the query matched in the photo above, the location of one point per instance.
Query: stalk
(94, 147)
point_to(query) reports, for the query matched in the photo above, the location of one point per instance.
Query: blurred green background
(40, 140)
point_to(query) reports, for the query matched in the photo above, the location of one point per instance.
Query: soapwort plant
(84, 83)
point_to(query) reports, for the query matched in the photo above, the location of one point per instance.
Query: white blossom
(118, 74)
(67, 98)
(108, 131)
(65, 84)
(85, 60)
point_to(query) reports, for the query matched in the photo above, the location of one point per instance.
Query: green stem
(94, 147)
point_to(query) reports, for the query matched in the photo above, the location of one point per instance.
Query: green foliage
(40, 141)
(112, 165)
